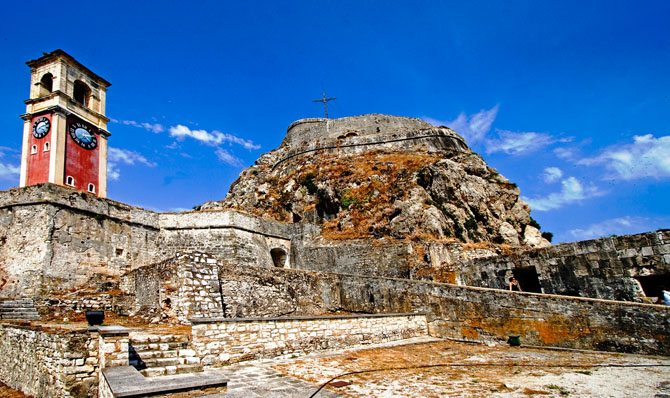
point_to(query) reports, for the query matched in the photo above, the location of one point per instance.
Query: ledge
(301, 318)
(110, 330)
(127, 382)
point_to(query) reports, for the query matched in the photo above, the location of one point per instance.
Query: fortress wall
(44, 364)
(362, 258)
(231, 237)
(315, 129)
(453, 311)
(604, 268)
(222, 341)
(54, 239)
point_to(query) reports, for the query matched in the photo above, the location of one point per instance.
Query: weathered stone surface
(606, 268)
(378, 176)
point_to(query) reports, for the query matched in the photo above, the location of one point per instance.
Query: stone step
(20, 316)
(171, 370)
(158, 346)
(18, 309)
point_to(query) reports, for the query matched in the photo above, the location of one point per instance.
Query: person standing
(514, 285)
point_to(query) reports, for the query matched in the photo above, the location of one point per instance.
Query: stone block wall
(456, 311)
(55, 239)
(49, 364)
(604, 268)
(231, 237)
(218, 342)
(183, 287)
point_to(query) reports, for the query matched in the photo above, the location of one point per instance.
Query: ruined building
(380, 227)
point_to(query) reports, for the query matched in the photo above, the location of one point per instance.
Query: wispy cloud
(228, 158)
(516, 143)
(571, 191)
(473, 128)
(552, 174)
(124, 156)
(153, 127)
(9, 171)
(647, 156)
(210, 138)
(616, 226)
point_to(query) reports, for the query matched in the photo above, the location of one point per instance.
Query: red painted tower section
(81, 164)
(40, 151)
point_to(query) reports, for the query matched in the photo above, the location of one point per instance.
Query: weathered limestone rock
(533, 238)
(379, 176)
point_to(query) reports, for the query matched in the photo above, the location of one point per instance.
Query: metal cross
(324, 100)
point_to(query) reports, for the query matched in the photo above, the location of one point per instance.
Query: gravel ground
(451, 369)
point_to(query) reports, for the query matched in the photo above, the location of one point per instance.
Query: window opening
(69, 181)
(47, 82)
(46, 146)
(91, 188)
(278, 257)
(33, 149)
(528, 279)
(81, 92)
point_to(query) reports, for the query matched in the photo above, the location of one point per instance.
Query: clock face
(41, 127)
(82, 135)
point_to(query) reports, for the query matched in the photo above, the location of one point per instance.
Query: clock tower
(65, 127)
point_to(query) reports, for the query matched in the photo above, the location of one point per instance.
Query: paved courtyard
(426, 367)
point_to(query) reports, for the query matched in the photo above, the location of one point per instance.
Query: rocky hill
(378, 176)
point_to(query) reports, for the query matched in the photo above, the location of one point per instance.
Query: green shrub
(308, 182)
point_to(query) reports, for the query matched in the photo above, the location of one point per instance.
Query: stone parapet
(224, 341)
(53, 194)
(49, 364)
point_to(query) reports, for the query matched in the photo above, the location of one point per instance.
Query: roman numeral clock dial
(83, 136)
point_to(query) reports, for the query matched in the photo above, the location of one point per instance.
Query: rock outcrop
(378, 176)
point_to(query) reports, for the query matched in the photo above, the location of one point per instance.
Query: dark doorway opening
(653, 284)
(278, 257)
(528, 279)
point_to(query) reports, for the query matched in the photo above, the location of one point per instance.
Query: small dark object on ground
(514, 341)
(95, 317)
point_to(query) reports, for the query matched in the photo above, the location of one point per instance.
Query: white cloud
(552, 174)
(647, 156)
(127, 157)
(214, 138)
(116, 156)
(227, 157)
(516, 143)
(472, 128)
(616, 226)
(153, 127)
(9, 171)
(571, 191)
(565, 153)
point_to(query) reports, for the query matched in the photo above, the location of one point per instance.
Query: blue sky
(569, 99)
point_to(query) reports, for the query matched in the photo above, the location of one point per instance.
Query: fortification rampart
(614, 268)
(54, 239)
(457, 311)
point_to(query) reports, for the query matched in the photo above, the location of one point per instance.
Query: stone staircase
(162, 355)
(18, 309)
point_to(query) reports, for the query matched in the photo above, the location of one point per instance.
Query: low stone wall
(604, 268)
(221, 341)
(456, 311)
(48, 364)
